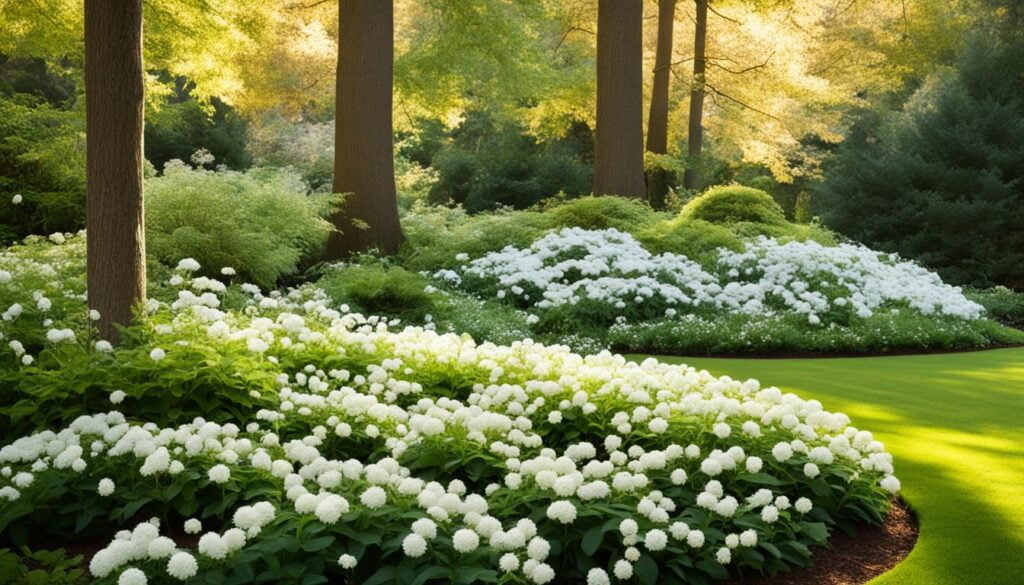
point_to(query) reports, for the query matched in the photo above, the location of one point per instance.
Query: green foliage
(1001, 303)
(375, 287)
(42, 158)
(260, 222)
(734, 203)
(940, 180)
(601, 212)
(740, 334)
(491, 161)
(434, 236)
(696, 239)
(182, 125)
(41, 567)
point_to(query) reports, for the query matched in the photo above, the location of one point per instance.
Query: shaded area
(852, 559)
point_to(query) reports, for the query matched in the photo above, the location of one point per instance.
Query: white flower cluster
(610, 267)
(644, 431)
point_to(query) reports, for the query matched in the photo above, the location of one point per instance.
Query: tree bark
(657, 121)
(364, 165)
(619, 140)
(695, 135)
(114, 95)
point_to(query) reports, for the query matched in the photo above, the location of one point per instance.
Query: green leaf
(383, 575)
(430, 573)
(319, 543)
(647, 570)
(592, 540)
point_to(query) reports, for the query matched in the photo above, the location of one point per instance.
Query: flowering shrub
(577, 279)
(383, 456)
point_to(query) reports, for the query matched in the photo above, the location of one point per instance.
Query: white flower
(623, 569)
(182, 566)
(542, 573)
(331, 508)
(132, 576)
(157, 354)
(106, 487)
(374, 497)
(598, 576)
(655, 540)
(563, 511)
(803, 505)
(188, 265)
(17, 199)
(723, 556)
(219, 473)
(695, 538)
(769, 514)
(465, 540)
(212, 545)
(508, 562)
(890, 484)
(748, 538)
(228, 271)
(347, 561)
(193, 526)
(414, 545)
(811, 470)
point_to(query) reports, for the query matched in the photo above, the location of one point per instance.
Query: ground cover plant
(328, 439)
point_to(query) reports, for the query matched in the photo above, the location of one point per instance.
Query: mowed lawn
(955, 424)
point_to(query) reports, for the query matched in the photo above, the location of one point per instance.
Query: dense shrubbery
(733, 204)
(260, 222)
(770, 296)
(339, 449)
(940, 181)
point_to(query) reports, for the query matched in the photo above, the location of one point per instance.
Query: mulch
(852, 559)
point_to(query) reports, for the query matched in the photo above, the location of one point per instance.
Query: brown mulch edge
(782, 355)
(852, 559)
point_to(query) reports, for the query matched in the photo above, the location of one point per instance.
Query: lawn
(953, 423)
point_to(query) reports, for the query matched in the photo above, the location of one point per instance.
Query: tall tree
(695, 132)
(364, 166)
(619, 137)
(114, 99)
(657, 120)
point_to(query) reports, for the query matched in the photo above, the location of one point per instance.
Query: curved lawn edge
(952, 423)
(852, 559)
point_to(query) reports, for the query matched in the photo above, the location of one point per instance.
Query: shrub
(601, 212)
(1001, 304)
(377, 455)
(375, 287)
(694, 238)
(734, 203)
(42, 169)
(260, 222)
(436, 237)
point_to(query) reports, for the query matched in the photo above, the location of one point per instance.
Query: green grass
(955, 425)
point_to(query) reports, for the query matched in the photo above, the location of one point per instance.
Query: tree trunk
(657, 122)
(364, 165)
(619, 140)
(116, 245)
(691, 178)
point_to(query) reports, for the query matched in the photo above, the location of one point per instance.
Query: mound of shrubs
(340, 449)
(261, 222)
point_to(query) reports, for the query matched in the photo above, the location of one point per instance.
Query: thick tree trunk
(364, 165)
(116, 245)
(619, 140)
(657, 122)
(695, 139)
